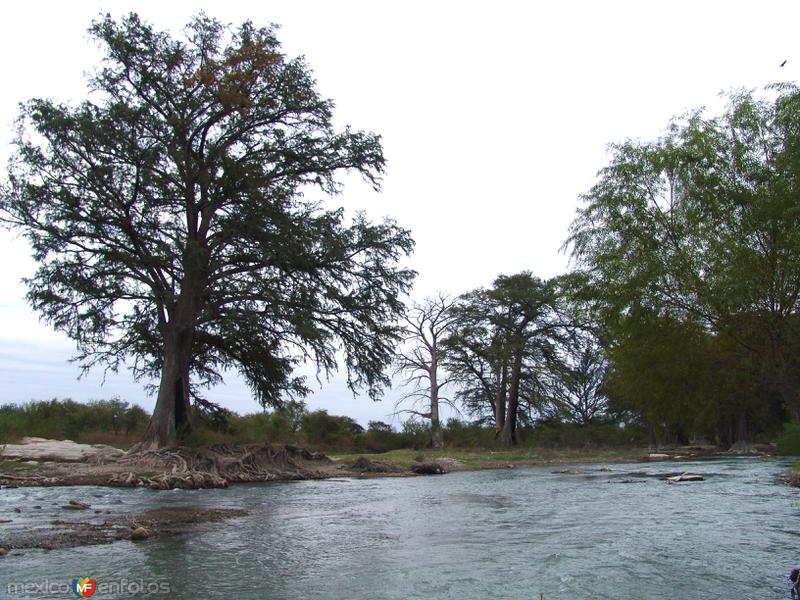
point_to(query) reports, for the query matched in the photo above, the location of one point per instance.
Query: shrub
(468, 435)
(273, 427)
(322, 429)
(416, 434)
(107, 421)
(381, 437)
(789, 440)
(571, 435)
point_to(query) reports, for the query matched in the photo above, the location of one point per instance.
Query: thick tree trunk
(508, 436)
(172, 414)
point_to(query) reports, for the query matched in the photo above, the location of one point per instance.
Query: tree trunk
(500, 401)
(654, 441)
(437, 437)
(740, 443)
(508, 436)
(171, 416)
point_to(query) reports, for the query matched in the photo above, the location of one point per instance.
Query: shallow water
(501, 534)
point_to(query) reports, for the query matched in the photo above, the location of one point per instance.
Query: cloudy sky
(495, 117)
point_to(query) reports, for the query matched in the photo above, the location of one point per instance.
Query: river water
(524, 533)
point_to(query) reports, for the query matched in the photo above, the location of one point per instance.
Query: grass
(7, 466)
(482, 459)
(794, 474)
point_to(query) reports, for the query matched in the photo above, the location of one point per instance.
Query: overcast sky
(495, 117)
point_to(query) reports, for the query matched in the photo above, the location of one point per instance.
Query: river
(524, 533)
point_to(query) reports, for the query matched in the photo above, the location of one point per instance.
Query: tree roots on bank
(215, 466)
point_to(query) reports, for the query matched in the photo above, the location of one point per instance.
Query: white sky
(494, 116)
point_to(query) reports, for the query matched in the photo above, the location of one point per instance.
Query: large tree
(173, 219)
(701, 227)
(502, 341)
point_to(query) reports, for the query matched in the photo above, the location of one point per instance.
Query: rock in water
(77, 505)
(685, 477)
(140, 533)
(428, 469)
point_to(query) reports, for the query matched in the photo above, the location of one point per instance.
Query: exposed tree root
(215, 466)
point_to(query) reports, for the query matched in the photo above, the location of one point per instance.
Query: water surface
(501, 534)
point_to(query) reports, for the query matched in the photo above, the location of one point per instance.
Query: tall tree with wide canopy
(502, 337)
(701, 226)
(171, 218)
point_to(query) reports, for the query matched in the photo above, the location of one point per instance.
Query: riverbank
(76, 522)
(42, 462)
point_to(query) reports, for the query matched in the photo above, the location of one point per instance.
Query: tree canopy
(502, 340)
(700, 229)
(173, 218)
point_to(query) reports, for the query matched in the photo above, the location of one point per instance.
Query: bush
(99, 421)
(416, 434)
(380, 437)
(571, 435)
(468, 435)
(329, 431)
(789, 440)
(262, 427)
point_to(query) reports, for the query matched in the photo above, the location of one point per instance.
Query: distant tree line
(681, 315)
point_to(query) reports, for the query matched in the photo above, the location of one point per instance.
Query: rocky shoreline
(66, 533)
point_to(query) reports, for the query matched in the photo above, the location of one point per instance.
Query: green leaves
(700, 227)
(173, 199)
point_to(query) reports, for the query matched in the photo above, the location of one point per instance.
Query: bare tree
(420, 361)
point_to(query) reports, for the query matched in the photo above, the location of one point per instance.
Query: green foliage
(265, 427)
(700, 229)
(293, 411)
(503, 336)
(113, 421)
(789, 440)
(323, 430)
(460, 434)
(94, 422)
(416, 434)
(379, 437)
(572, 435)
(663, 369)
(176, 207)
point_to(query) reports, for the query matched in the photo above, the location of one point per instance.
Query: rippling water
(515, 534)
